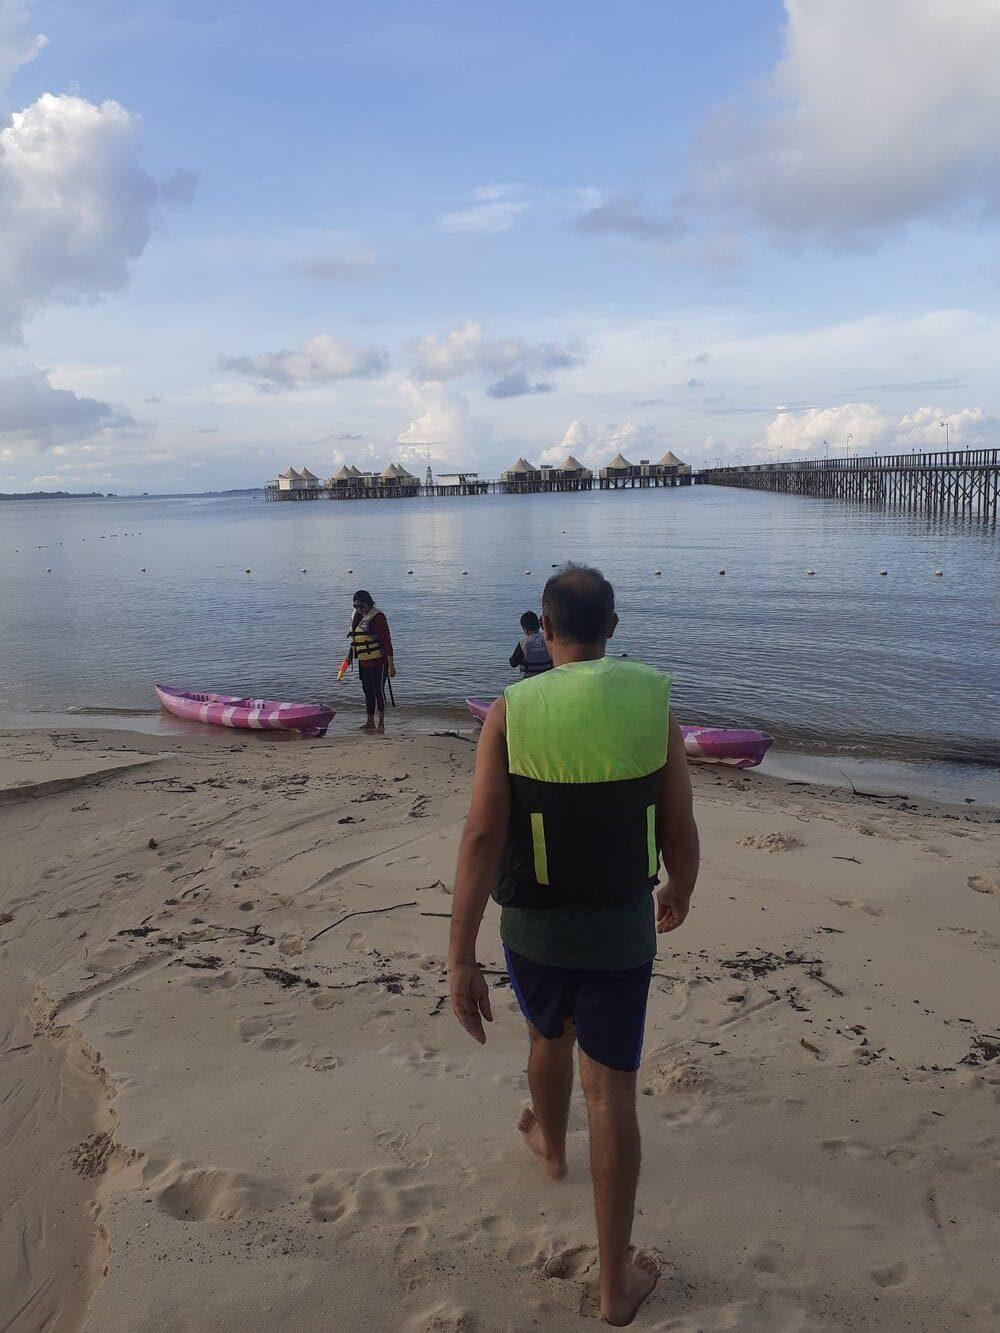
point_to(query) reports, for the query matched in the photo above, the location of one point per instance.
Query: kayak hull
(735, 746)
(232, 710)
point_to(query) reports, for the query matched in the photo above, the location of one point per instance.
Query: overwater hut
(619, 472)
(396, 481)
(569, 475)
(290, 480)
(522, 477)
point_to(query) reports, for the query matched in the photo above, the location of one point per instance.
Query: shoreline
(276, 1103)
(955, 782)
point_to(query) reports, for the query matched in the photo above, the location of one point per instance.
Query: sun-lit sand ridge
(216, 1113)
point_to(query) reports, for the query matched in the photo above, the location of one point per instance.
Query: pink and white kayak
(230, 710)
(738, 747)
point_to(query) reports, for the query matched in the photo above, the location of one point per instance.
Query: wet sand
(232, 1096)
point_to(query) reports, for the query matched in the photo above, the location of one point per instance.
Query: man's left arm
(478, 861)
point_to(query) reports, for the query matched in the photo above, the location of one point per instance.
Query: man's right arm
(517, 656)
(678, 835)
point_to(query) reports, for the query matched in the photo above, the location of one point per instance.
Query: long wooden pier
(956, 481)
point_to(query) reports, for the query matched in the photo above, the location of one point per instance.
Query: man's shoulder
(628, 666)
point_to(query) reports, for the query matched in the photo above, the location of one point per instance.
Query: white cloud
(443, 421)
(865, 429)
(19, 44)
(466, 350)
(595, 447)
(496, 209)
(35, 416)
(882, 113)
(318, 360)
(805, 432)
(75, 206)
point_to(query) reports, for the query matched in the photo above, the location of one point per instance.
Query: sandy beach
(232, 1095)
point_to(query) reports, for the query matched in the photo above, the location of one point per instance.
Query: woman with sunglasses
(371, 648)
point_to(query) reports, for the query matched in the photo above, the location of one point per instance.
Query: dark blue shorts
(608, 1008)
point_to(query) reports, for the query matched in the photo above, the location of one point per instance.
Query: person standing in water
(531, 653)
(371, 648)
(580, 787)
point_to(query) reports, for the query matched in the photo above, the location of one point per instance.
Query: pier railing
(959, 481)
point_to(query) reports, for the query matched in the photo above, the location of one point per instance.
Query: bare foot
(641, 1276)
(367, 726)
(531, 1131)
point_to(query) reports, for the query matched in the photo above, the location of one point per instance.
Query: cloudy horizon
(764, 231)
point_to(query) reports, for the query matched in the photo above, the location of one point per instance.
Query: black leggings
(373, 683)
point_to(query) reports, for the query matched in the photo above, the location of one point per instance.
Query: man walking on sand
(581, 785)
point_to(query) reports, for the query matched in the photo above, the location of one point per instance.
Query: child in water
(531, 654)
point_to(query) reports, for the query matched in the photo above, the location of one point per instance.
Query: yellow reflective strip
(654, 858)
(538, 844)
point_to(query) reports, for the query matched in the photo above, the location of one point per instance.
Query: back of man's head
(529, 622)
(578, 605)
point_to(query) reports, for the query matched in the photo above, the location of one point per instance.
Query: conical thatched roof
(306, 475)
(522, 465)
(670, 459)
(355, 472)
(345, 474)
(290, 475)
(571, 464)
(392, 473)
(405, 472)
(618, 462)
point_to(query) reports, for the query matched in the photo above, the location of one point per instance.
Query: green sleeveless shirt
(586, 744)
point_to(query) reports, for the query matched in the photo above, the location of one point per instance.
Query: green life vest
(586, 748)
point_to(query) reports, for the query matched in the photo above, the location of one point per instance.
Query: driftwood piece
(366, 911)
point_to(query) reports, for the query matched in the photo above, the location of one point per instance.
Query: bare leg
(624, 1282)
(380, 727)
(550, 1080)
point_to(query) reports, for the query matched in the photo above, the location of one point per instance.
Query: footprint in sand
(674, 1075)
(392, 1193)
(890, 1275)
(426, 1060)
(868, 908)
(771, 842)
(445, 1317)
(261, 1032)
(215, 981)
(322, 1060)
(983, 884)
(193, 1195)
(572, 1262)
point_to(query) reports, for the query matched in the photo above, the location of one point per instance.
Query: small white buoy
(246, 571)
(465, 571)
(938, 573)
(810, 573)
(350, 571)
(527, 571)
(883, 572)
(48, 571)
(722, 571)
(143, 570)
(409, 571)
(658, 573)
(305, 571)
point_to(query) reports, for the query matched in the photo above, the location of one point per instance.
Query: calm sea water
(903, 665)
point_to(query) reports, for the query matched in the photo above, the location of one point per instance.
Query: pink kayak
(230, 710)
(739, 747)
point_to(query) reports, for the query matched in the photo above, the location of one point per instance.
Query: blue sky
(338, 232)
